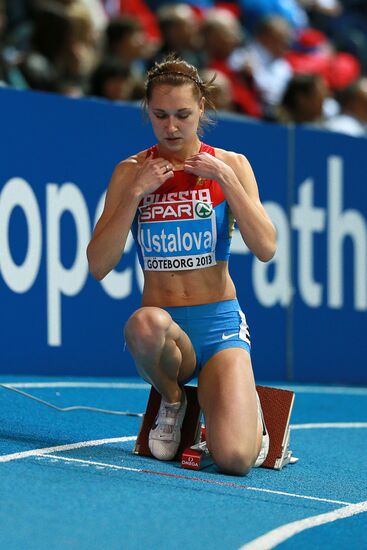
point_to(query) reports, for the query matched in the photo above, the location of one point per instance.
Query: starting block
(193, 454)
(277, 408)
(197, 456)
(191, 427)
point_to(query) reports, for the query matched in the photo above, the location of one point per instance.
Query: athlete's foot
(165, 435)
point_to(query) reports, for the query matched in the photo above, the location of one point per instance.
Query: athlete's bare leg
(227, 396)
(163, 353)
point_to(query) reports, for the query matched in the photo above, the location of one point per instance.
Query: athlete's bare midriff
(188, 288)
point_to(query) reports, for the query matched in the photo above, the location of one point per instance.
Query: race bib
(177, 235)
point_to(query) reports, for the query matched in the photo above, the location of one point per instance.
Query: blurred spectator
(103, 48)
(262, 59)
(222, 34)
(83, 42)
(40, 67)
(179, 28)
(112, 80)
(303, 100)
(254, 12)
(352, 119)
(63, 49)
(125, 41)
(220, 94)
(345, 24)
(329, 8)
(312, 52)
(98, 15)
(140, 10)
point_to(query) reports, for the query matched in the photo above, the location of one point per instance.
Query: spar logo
(203, 210)
(166, 211)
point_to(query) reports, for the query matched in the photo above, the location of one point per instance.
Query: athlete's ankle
(173, 396)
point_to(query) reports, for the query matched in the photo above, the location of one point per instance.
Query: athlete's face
(175, 113)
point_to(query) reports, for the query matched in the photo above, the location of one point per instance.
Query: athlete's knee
(235, 460)
(146, 329)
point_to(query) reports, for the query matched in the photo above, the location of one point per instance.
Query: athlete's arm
(131, 180)
(234, 174)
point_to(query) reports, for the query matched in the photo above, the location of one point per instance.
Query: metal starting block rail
(193, 454)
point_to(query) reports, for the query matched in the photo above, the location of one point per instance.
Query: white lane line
(93, 463)
(285, 532)
(295, 495)
(203, 480)
(98, 385)
(68, 447)
(337, 390)
(322, 425)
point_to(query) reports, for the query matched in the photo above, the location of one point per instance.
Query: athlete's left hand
(206, 166)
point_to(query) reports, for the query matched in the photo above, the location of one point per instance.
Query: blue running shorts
(212, 327)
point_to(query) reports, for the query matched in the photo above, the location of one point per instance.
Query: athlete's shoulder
(130, 165)
(232, 158)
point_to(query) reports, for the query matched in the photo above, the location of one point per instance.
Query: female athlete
(180, 199)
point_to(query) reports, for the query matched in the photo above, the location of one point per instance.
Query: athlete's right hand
(151, 174)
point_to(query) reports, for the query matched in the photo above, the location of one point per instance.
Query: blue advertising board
(306, 308)
(330, 258)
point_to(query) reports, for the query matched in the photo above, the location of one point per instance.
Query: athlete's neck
(178, 156)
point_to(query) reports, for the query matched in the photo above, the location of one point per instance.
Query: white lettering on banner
(349, 223)
(272, 281)
(279, 289)
(307, 219)
(66, 198)
(18, 193)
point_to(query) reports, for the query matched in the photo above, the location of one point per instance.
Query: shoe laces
(167, 417)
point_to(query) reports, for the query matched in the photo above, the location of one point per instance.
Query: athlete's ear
(202, 105)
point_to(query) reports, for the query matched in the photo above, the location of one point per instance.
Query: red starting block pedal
(190, 431)
(277, 407)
